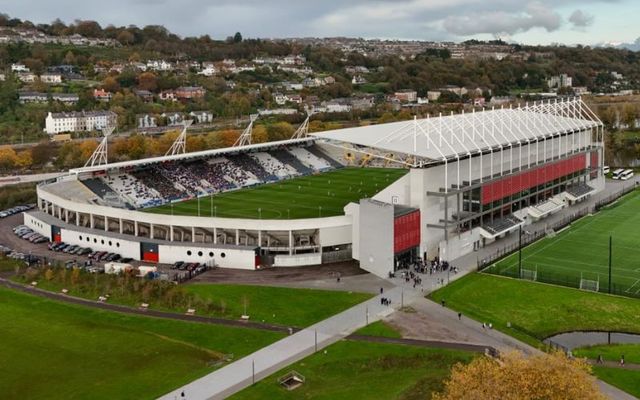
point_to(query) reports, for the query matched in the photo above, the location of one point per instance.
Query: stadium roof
(448, 137)
(188, 156)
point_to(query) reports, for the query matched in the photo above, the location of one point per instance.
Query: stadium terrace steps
(316, 151)
(97, 186)
(579, 191)
(273, 166)
(249, 164)
(499, 226)
(309, 159)
(289, 159)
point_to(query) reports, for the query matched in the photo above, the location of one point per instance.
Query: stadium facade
(473, 178)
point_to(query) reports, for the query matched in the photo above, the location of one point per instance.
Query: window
(88, 240)
(110, 243)
(95, 240)
(102, 241)
(200, 254)
(188, 252)
(223, 255)
(211, 254)
(117, 244)
(80, 237)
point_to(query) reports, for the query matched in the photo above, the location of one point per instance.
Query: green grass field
(535, 310)
(582, 251)
(310, 196)
(627, 380)
(277, 305)
(359, 370)
(52, 350)
(611, 352)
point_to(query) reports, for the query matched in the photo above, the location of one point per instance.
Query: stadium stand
(153, 178)
(97, 186)
(133, 191)
(498, 226)
(289, 159)
(309, 159)
(273, 166)
(579, 190)
(547, 207)
(249, 164)
(316, 151)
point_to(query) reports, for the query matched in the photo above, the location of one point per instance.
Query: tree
(259, 134)
(229, 137)
(23, 159)
(125, 38)
(237, 38)
(110, 84)
(8, 158)
(514, 376)
(148, 81)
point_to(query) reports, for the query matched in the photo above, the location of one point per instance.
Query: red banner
(406, 231)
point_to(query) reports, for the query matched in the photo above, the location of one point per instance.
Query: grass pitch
(312, 196)
(582, 251)
(52, 350)
(537, 311)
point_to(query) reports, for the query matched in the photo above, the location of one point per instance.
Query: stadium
(381, 194)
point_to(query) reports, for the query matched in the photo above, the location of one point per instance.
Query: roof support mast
(303, 129)
(179, 146)
(100, 154)
(245, 136)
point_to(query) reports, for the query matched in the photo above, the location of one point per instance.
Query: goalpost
(529, 274)
(590, 284)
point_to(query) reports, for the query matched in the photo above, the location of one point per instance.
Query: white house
(202, 117)
(50, 77)
(17, 67)
(79, 121)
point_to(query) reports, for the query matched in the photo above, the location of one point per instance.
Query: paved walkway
(17, 179)
(242, 373)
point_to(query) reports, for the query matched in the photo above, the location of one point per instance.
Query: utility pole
(610, 255)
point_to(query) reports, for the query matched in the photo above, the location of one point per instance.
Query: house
(311, 82)
(329, 80)
(278, 111)
(294, 98)
(102, 95)
(479, 102)
(337, 106)
(145, 95)
(208, 70)
(356, 69)
(190, 92)
(159, 65)
(146, 121)
(51, 77)
(27, 77)
(362, 103)
(67, 98)
(167, 95)
(79, 121)
(2, 77)
(32, 97)
(17, 67)
(202, 117)
(433, 95)
(173, 118)
(292, 86)
(294, 60)
(457, 90)
(406, 95)
(279, 98)
(358, 80)
(559, 81)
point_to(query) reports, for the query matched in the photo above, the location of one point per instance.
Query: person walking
(459, 316)
(622, 360)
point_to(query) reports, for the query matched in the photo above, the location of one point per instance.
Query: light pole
(610, 255)
(215, 211)
(259, 213)
(520, 251)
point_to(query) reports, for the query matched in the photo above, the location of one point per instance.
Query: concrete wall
(376, 237)
(297, 260)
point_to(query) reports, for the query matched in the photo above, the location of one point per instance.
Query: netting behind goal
(529, 274)
(589, 284)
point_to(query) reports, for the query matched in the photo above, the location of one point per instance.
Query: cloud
(534, 15)
(580, 19)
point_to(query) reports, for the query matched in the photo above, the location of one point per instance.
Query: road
(18, 179)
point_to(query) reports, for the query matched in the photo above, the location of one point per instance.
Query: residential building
(190, 92)
(294, 98)
(146, 121)
(202, 117)
(208, 69)
(173, 118)
(279, 98)
(27, 77)
(2, 77)
(145, 95)
(79, 121)
(51, 77)
(362, 103)
(559, 81)
(38, 97)
(358, 80)
(102, 95)
(433, 95)
(406, 95)
(17, 67)
(337, 106)
(168, 95)
(159, 65)
(278, 111)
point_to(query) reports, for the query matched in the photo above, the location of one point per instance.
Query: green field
(352, 370)
(52, 350)
(535, 310)
(627, 380)
(277, 305)
(310, 196)
(582, 251)
(611, 352)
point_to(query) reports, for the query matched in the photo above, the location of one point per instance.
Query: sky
(524, 21)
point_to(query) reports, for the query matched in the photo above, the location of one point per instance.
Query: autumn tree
(259, 134)
(110, 84)
(8, 158)
(515, 376)
(148, 81)
(229, 137)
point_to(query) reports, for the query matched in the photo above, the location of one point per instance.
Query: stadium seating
(316, 151)
(273, 166)
(579, 190)
(501, 225)
(309, 159)
(289, 159)
(134, 191)
(97, 186)
(249, 164)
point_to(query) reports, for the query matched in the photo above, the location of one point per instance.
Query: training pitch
(579, 255)
(313, 196)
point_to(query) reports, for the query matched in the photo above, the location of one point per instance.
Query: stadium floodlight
(245, 137)
(303, 129)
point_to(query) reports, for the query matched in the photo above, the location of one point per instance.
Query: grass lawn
(611, 352)
(277, 305)
(379, 328)
(537, 310)
(583, 251)
(52, 350)
(353, 370)
(624, 379)
(312, 196)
